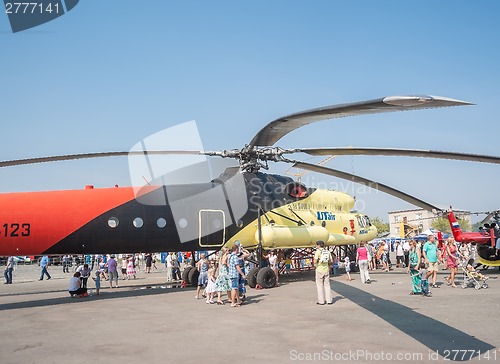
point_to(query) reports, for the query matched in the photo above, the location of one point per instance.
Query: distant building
(409, 223)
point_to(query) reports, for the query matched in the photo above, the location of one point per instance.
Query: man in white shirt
(168, 264)
(406, 252)
(399, 254)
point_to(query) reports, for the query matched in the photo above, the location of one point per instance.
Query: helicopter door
(212, 231)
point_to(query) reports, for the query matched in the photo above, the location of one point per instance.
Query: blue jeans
(44, 271)
(8, 275)
(241, 285)
(425, 287)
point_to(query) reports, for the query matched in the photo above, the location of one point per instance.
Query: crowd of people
(421, 260)
(107, 268)
(224, 273)
(424, 261)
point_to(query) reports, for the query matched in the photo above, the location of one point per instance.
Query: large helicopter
(259, 210)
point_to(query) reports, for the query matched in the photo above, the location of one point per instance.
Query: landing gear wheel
(252, 277)
(266, 278)
(477, 286)
(185, 274)
(193, 277)
(485, 285)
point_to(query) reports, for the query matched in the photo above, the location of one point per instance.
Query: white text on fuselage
(325, 215)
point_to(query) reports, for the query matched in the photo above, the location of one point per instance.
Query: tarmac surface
(146, 319)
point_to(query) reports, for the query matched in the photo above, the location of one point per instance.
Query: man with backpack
(323, 262)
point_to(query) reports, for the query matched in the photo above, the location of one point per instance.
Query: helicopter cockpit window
(362, 221)
(296, 190)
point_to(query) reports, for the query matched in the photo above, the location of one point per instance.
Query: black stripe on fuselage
(260, 191)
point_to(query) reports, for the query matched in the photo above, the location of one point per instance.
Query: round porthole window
(183, 223)
(138, 222)
(161, 222)
(113, 222)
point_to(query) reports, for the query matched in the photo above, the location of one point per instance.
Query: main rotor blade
(488, 217)
(401, 153)
(18, 162)
(369, 183)
(278, 128)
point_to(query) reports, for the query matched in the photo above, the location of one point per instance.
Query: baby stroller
(472, 278)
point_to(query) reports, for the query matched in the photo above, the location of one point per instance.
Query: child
(210, 290)
(154, 263)
(84, 274)
(124, 267)
(102, 269)
(347, 265)
(424, 283)
(474, 273)
(335, 265)
(131, 268)
(288, 264)
(97, 280)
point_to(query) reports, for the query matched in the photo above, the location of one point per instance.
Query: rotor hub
(252, 159)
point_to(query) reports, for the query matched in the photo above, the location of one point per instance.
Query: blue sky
(110, 73)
